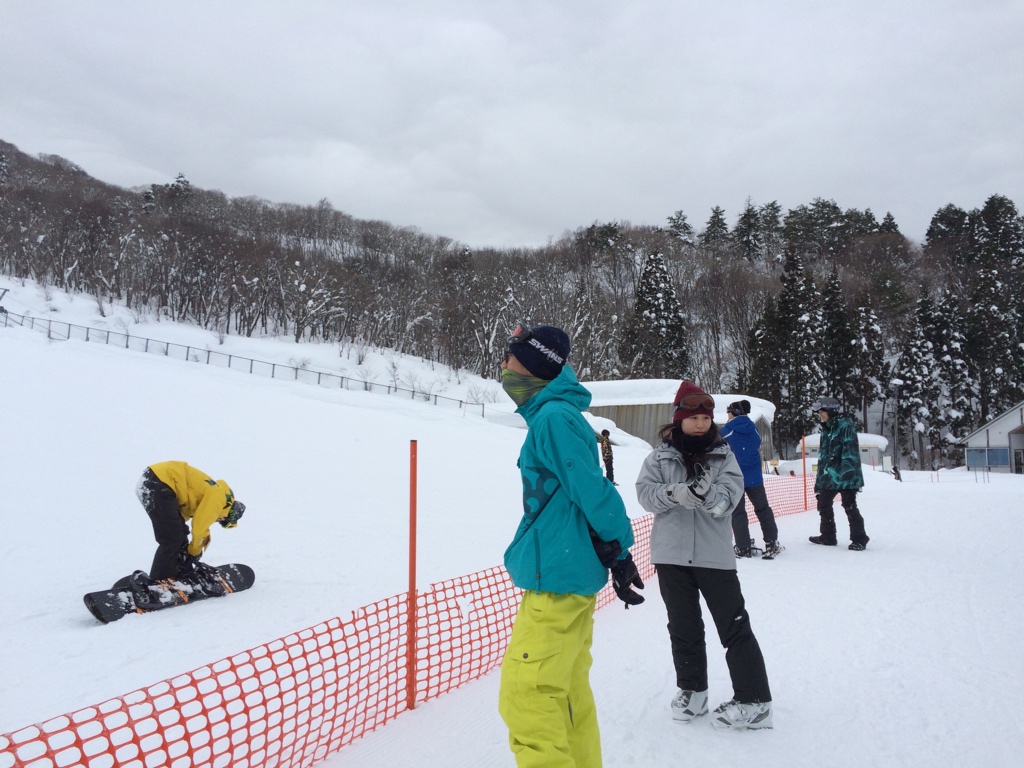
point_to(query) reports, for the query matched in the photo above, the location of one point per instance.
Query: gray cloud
(508, 122)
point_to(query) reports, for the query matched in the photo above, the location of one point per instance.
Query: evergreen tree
(835, 360)
(817, 231)
(869, 371)
(765, 379)
(784, 349)
(999, 235)
(654, 344)
(888, 224)
(990, 333)
(945, 330)
(771, 232)
(919, 370)
(747, 233)
(716, 231)
(680, 229)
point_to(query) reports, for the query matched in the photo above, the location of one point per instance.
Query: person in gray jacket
(691, 483)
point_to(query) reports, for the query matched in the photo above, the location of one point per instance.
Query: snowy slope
(907, 654)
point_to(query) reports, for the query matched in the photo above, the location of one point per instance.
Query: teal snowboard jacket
(839, 466)
(564, 489)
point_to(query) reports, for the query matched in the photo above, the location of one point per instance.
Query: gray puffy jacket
(683, 535)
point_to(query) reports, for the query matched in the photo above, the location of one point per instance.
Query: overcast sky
(509, 122)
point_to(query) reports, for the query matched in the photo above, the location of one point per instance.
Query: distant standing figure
(839, 473)
(606, 454)
(745, 441)
(173, 493)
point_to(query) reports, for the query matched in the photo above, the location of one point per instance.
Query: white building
(872, 447)
(998, 445)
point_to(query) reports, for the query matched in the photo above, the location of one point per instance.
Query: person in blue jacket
(745, 441)
(573, 530)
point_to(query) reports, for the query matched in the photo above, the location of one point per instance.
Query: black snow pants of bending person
(169, 527)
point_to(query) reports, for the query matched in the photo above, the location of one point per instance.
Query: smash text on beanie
(691, 400)
(542, 350)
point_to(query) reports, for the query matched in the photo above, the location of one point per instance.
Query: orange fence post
(803, 460)
(411, 662)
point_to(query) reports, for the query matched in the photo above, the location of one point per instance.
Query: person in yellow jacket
(173, 493)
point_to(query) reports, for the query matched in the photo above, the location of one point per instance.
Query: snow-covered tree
(784, 351)
(654, 344)
(921, 407)
(680, 229)
(868, 357)
(835, 359)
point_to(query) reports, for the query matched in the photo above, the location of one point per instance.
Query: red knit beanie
(691, 400)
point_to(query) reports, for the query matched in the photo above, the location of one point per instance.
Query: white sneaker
(689, 704)
(738, 715)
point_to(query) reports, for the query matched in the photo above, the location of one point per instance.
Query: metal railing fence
(61, 331)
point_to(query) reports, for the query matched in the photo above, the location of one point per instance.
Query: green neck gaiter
(521, 387)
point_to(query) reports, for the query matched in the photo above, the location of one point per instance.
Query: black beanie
(739, 408)
(543, 352)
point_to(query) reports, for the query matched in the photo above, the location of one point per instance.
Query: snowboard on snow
(120, 600)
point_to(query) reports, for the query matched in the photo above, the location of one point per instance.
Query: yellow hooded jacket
(201, 499)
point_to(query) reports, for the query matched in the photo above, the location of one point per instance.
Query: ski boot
(737, 715)
(689, 704)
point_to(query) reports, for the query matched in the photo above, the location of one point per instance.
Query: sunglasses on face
(690, 402)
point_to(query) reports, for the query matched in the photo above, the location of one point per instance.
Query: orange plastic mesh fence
(786, 495)
(296, 700)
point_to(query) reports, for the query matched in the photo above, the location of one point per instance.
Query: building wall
(999, 445)
(644, 421)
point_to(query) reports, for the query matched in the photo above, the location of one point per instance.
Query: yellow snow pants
(545, 697)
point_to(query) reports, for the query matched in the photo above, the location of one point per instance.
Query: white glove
(692, 494)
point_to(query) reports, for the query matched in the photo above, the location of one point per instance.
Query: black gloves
(607, 551)
(624, 573)
(624, 578)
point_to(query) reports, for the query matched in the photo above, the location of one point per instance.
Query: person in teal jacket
(573, 530)
(839, 473)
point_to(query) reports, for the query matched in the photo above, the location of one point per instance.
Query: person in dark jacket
(839, 473)
(573, 530)
(745, 441)
(691, 483)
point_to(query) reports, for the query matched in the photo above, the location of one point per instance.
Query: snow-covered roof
(864, 438)
(992, 422)
(663, 392)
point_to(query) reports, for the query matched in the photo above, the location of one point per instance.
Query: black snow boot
(822, 540)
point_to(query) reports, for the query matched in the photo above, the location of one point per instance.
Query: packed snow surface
(907, 654)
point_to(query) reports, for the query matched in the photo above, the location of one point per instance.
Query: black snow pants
(828, 516)
(169, 527)
(681, 588)
(765, 516)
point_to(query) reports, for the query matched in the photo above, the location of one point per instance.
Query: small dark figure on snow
(173, 493)
(606, 454)
(839, 473)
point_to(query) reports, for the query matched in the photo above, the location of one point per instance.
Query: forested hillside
(787, 305)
